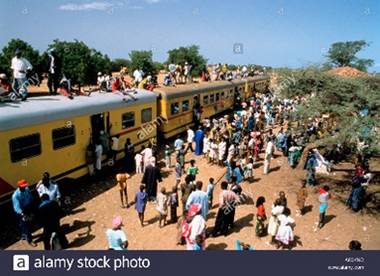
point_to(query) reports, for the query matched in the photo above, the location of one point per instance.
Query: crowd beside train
(233, 142)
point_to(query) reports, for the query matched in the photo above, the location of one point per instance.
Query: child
(192, 170)
(301, 198)
(261, 216)
(198, 243)
(138, 160)
(178, 169)
(248, 170)
(210, 191)
(206, 147)
(141, 199)
(121, 179)
(162, 207)
(173, 202)
(168, 152)
(323, 198)
(182, 225)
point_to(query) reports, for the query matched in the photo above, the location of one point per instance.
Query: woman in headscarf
(197, 227)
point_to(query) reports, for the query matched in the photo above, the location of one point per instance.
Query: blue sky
(274, 32)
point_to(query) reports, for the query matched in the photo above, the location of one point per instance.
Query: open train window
(128, 120)
(146, 115)
(212, 98)
(205, 99)
(222, 95)
(25, 147)
(63, 137)
(217, 97)
(174, 108)
(185, 106)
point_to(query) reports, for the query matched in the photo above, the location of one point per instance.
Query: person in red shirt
(261, 216)
(116, 85)
(5, 86)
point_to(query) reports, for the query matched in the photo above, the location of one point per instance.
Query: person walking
(199, 197)
(151, 177)
(49, 215)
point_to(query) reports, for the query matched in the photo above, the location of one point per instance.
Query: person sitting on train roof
(168, 80)
(116, 85)
(5, 86)
(64, 88)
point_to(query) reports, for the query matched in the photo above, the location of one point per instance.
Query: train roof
(43, 109)
(196, 88)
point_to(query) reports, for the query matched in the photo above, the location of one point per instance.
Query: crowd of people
(233, 142)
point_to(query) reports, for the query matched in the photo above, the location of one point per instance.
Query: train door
(197, 110)
(97, 125)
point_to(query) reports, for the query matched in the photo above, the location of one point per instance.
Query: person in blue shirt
(22, 200)
(117, 238)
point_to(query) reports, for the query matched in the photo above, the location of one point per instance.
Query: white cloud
(99, 6)
(152, 1)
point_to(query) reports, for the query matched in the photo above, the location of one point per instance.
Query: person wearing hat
(20, 66)
(117, 238)
(22, 200)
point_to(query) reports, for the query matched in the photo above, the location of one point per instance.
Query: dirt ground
(94, 204)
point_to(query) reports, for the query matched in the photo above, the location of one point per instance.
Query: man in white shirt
(268, 155)
(190, 139)
(138, 76)
(20, 66)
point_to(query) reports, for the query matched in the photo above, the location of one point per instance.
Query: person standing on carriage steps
(55, 66)
(20, 67)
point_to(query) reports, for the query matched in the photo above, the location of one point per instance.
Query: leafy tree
(343, 99)
(79, 62)
(344, 54)
(118, 63)
(28, 52)
(142, 60)
(188, 54)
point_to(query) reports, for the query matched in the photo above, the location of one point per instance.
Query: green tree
(118, 63)
(79, 62)
(188, 54)
(142, 60)
(344, 99)
(344, 54)
(28, 52)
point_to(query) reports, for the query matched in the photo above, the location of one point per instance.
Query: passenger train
(51, 133)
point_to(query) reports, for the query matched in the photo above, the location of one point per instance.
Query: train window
(212, 98)
(185, 106)
(146, 115)
(128, 120)
(63, 137)
(205, 99)
(25, 147)
(174, 108)
(222, 95)
(217, 97)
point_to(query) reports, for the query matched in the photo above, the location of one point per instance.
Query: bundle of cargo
(347, 71)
